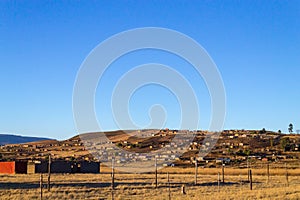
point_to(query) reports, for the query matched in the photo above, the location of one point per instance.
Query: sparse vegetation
(285, 143)
(263, 131)
(291, 127)
(234, 147)
(141, 186)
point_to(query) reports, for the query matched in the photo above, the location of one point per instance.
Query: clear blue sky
(255, 45)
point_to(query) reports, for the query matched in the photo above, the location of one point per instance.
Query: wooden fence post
(112, 178)
(196, 172)
(223, 173)
(248, 169)
(169, 186)
(268, 172)
(41, 186)
(250, 174)
(218, 181)
(112, 174)
(156, 182)
(49, 173)
(183, 189)
(286, 175)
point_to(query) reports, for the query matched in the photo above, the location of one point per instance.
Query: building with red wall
(15, 167)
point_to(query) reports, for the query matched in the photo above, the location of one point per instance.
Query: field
(142, 186)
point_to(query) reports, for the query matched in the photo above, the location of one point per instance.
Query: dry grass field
(142, 186)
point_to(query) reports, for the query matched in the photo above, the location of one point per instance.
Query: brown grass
(141, 186)
(292, 170)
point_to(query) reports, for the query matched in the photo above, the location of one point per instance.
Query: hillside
(16, 139)
(233, 147)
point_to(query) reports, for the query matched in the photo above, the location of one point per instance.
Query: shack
(88, 167)
(61, 166)
(13, 167)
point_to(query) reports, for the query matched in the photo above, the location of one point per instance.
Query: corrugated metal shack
(13, 167)
(64, 167)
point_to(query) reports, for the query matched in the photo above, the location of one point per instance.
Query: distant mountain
(16, 139)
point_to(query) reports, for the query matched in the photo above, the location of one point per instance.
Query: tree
(247, 152)
(119, 145)
(279, 131)
(285, 143)
(263, 131)
(291, 128)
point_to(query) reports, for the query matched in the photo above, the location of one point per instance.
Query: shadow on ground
(33, 185)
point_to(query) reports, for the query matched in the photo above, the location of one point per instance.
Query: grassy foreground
(142, 186)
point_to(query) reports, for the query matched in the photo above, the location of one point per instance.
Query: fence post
(169, 186)
(41, 186)
(112, 174)
(218, 181)
(156, 182)
(286, 175)
(250, 174)
(49, 172)
(183, 189)
(223, 173)
(248, 169)
(112, 178)
(196, 172)
(268, 172)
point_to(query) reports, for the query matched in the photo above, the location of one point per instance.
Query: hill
(234, 147)
(17, 139)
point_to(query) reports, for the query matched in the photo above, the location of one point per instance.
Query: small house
(15, 167)
(61, 166)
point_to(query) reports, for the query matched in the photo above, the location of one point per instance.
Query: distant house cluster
(67, 150)
(233, 147)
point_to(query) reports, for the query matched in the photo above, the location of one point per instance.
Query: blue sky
(255, 45)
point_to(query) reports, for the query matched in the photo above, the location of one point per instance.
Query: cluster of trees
(285, 144)
(290, 129)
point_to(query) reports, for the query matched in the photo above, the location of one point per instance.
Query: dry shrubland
(141, 186)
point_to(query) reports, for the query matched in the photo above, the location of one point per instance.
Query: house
(15, 167)
(88, 167)
(61, 166)
(222, 160)
(56, 167)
